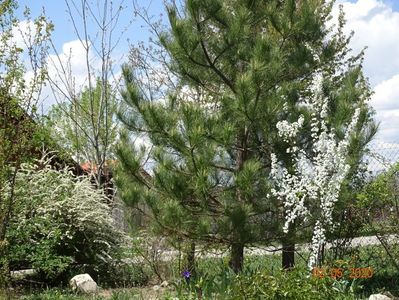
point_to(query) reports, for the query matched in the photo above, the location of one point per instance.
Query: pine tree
(250, 64)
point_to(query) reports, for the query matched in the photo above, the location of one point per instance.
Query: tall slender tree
(88, 107)
(251, 66)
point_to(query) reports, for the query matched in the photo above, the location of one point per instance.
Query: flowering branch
(315, 178)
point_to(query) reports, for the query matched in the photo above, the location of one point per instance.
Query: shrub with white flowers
(60, 221)
(315, 176)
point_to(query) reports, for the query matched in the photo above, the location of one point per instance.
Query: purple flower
(186, 274)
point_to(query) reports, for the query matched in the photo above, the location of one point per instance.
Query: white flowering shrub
(310, 185)
(60, 221)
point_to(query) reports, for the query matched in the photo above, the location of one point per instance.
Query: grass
(214, 278)
(385, 278)
(212, 268)
(66, 294)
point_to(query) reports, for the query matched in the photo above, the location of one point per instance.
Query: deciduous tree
(88, 107)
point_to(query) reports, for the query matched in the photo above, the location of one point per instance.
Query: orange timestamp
(338, 273)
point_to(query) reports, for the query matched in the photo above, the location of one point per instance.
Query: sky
(56, 10)
(375, 23)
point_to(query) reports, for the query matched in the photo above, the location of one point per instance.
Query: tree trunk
(237, 257)
(191, 258)
(288, 249)
(288, 255)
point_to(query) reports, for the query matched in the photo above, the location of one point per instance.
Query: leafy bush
(295, 285)
(379, 204)
(380, 201)
(60, 223)
(124, 275)
(286, 285)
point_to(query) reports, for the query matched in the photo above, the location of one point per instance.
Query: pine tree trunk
(191, 258)
(237, 257)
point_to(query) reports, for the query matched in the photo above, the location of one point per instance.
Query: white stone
(84, 284)
(379, 297)
(20, 274)
(164, 284)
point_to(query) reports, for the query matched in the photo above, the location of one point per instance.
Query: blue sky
(56, 10)
(375, 22)
(394, 4)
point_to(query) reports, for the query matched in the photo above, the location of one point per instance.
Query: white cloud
(70, 66)
(376, 26)
(386, 102)
(20, 31)
(386, 94)
(73, 60)
(389, 125)
(68, 69)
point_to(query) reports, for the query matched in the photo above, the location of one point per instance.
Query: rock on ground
(20, 274)
(379, 297)
(84, 284)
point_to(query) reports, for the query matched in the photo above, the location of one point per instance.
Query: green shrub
(296, 285)
(379, 202)
(293, 285)
(60, 225)
(124, 276)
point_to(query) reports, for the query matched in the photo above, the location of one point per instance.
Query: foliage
(261, 275)
(247, 67)
(262, 285)
(287, 285)
(60, 222)
(378, 208)
(385, 274)
(124, 275)
(380, 200)
(261, 278)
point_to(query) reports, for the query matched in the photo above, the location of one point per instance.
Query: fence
(382, 156)
(371, 242)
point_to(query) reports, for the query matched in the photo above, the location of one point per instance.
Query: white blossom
(318, 175)
(288, 130)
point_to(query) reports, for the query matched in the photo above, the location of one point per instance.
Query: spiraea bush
(61, 224)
